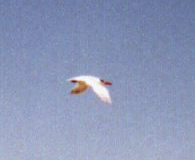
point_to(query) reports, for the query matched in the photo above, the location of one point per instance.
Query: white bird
(97, 84)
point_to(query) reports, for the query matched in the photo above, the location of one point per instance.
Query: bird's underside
(80, 87)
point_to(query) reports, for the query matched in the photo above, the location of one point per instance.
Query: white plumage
(97, 84)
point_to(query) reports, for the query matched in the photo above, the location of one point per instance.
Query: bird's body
(97, 84)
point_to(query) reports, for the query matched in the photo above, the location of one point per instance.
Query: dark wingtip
(73, 81)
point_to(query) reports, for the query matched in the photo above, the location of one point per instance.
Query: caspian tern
(97, 84)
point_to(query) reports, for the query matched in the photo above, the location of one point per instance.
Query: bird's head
(105, 82)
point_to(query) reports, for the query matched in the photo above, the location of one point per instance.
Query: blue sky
(145, 47)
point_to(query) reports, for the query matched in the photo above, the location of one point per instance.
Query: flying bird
(97, 84)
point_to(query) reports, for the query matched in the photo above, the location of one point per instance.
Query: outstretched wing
(102, 92)
(80, 87)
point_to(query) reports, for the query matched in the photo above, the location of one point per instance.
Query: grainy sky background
(147, 48)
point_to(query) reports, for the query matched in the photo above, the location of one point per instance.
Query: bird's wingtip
(68, 80)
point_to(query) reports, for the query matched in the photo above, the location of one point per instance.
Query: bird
(97, 84)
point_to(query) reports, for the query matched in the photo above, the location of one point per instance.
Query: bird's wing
(102, 92)
(80, 87)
